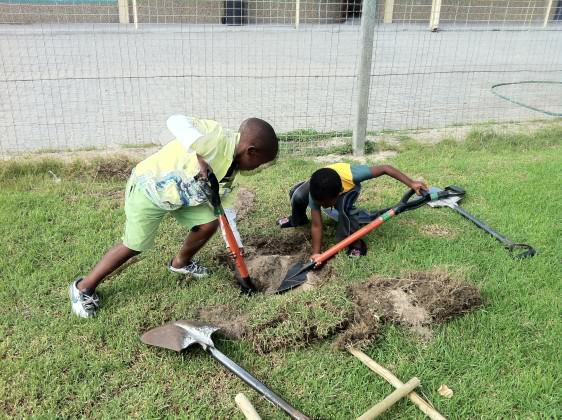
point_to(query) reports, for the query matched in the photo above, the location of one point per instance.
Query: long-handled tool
(451, 201)
(179, 335)
(423, 405)
(297, 274)
(210, 187)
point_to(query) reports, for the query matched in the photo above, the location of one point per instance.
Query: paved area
(77, 86)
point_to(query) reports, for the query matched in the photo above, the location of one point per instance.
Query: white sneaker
(82, 305)
(191, 269)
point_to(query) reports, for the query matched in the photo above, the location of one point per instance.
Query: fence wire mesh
(103, 73)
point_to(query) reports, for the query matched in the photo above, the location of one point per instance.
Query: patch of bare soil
(269, 259)
(115, 168)
(354, 315)
(244, 203)
(416, 302)
(232, 322)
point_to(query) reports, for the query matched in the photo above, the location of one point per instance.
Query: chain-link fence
(101, 73)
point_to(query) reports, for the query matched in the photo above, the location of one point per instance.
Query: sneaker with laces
(193, 268)
(358, 250)
(83, 305)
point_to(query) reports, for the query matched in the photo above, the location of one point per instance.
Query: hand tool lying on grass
(210, 187)
(179, 335)
(297, 274)
(423, 405)
(390, 400)
(451, 201)
(246, 407)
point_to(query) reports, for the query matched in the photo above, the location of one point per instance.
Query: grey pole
(364, 77)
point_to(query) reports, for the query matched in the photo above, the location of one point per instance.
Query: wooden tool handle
(389, 401)
(246, 407)
(423, 405)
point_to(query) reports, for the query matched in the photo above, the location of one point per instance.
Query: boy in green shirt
(167, 182)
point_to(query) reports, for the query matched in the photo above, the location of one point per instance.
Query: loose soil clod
(416, 301)
(354, 314)
(232, 322)
(244, 203)
(269, 259)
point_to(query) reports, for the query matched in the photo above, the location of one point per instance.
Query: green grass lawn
(502, 361)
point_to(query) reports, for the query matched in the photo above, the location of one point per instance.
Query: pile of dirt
(118, 167)
(269, 259)
(296, 320)
(353, 315)
(231, 321)
(416, 302)
(244, 203)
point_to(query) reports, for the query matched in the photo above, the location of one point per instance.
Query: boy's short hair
(262, 136)
(325, 185)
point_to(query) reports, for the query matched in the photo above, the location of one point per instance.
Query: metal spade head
(445, 202)
(295, 276)
(179, 335)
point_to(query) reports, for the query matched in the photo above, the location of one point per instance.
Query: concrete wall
(281, 12)
(58, 13)
(278, 12)
(472, 11)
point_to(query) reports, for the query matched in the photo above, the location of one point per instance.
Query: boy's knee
(207, 228)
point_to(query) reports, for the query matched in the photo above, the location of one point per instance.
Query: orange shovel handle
(325, 256)
(234, 248)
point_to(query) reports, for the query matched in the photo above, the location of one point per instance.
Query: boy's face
(250, 159)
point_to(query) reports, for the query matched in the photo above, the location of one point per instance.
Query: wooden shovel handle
(246, 407)
(423, 405)
(390, 400)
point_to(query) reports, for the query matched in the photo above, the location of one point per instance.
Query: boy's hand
(231, 255)
(313, 258)
(419, 185)
(204, 167)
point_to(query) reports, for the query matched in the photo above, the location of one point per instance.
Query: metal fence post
(364, 77)
(547, 13)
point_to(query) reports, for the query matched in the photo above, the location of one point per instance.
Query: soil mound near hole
(295, 243)
(353, 314)
(244, 203)
(115, 168)
(416, 302)
(269, 259)
(232, 322)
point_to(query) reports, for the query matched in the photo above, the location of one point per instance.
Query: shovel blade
(295, 277)
(444, 202)
(179, 335)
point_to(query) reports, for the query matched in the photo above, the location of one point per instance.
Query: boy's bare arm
(377, 171)
(316, 231)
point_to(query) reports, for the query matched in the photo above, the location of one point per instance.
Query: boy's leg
(299, 203)
(348, 221)
(202, 223)
(198, 237)
(142, 221)
(111, 261)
